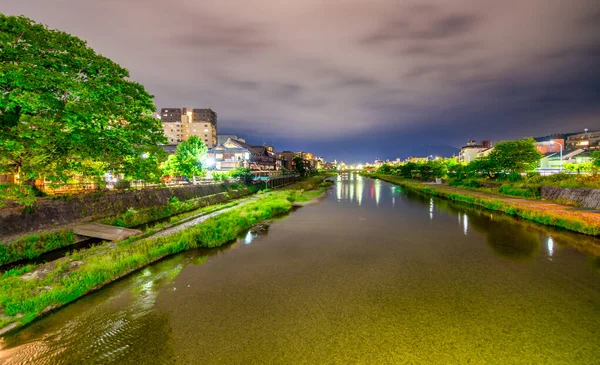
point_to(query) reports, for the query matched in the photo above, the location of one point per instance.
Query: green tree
(595, 157)
(299, 165)
(384, 169)
(188, 159)
(407, 169)
(66, 111)
(515, 156)
(482, 166)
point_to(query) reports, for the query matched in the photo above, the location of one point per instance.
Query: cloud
(343, 70)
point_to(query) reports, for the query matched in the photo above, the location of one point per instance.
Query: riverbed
(369, 274)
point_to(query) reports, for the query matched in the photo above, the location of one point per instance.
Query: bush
(520, 190)
(515, 177)
(33, 246)
(471, 183)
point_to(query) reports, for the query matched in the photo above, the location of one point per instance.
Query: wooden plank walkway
(105, 232)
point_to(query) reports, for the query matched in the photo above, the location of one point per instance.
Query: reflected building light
(338, 191)
(352, 192)
(431, 209)
(249, 238)
(359, 191)
(394, 201)
(377, 191)
(550, 245)
(465, 224)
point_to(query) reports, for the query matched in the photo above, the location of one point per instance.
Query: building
(222, 138)
(552, 160)
(470, 152)
(485, 153)
(179, 124)
(235, 153)
(551, 143)
(586, 140)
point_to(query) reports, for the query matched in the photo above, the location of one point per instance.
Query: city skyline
(355, 80)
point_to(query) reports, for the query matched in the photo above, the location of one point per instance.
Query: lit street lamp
(561, 153)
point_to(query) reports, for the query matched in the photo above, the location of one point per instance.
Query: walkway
(104, 231)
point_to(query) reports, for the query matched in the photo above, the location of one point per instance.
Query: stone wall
(586, 198)
(67, 210)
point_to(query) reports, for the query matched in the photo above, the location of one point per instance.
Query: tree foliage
(299, 165)
(515, 156)
(242, 173)
(188, 159)
(66, 111)
(595, 157)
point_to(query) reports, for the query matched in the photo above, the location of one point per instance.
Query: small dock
(105, 232)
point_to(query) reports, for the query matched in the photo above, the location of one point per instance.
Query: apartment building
(586, 141)
(179, 124)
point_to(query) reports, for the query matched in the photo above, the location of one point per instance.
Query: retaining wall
(66, 210)
(587, 198)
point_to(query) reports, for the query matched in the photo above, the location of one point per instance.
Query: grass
(71, 277)
(558, 218)
(30, 247)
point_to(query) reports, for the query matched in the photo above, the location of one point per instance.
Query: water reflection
(431, 209)
(510, 238)
(249, 238)
(359, 190)
(550, 246)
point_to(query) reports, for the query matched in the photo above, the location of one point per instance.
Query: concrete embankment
(563, 216)
(586, 198)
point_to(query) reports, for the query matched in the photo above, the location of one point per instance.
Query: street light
(561, 152)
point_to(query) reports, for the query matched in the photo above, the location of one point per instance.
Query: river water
(368, 275)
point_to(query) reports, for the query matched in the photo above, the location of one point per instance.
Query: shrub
(33, 246)
(515, 177)
(520, 190)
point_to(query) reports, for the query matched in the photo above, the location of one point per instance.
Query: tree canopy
(595, 157)
(188, 159)
(515, 156)
(67, 111)
(299, 165)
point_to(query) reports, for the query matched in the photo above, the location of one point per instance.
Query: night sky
(354, 80)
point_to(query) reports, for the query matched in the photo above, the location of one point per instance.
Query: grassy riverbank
(29, 292)
(32, 246)
(540, 212)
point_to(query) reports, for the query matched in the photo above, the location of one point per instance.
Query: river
(370, 274)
